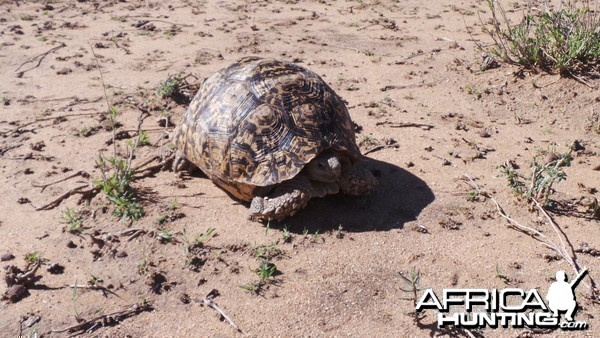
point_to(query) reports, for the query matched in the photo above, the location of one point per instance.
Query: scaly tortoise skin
(273, 133)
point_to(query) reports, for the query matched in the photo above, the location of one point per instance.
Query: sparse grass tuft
(74, 220)
(501, 276)
(165, 235)
(34, 258)
(95, 281)
(266, 270)
(117, 175)
(472, 196)
(170, 86)
(411, 286)
(287, 235)
(117, 187)
(267, 251)
(539, 185)
(563, 40)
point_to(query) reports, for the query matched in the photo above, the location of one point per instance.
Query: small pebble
(7, 256)
(15, 292)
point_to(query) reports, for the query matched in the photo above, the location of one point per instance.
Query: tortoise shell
(259, 121)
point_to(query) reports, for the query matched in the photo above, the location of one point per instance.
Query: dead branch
(139, 167)
(568, 256)
(43, 119)
(39, 59)
(393, 86)
(405, 125)
(25, 278)
(4, 150)
(135, 234)
(208, 301)
(380, 147)
(90, 287)
(79, 173)
(167, 22)
(77, 190)
(344, 47)
(107, 319)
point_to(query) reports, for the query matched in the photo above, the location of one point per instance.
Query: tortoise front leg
(288, 198)
(356, 180)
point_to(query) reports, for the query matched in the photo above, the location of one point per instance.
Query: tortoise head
(326, 167)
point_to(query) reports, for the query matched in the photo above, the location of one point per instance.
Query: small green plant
(34, 258)
(143, 267)
(472, 196)
(169, 87)
(267, 251)
(86, 132)
(74, 221)
(162, 219)
(563, 40)
(472, 90)
(254, 287)
(502, 276)
(27, 17)
(117, 186)
(142, 140)
(266, 270)
(339, 234)
(74, 297)
(205, 236)
(538, 186)
(287, 235)
(165, 235)
(411, 286)
(174, 204)
(315, 236)
(95, 281)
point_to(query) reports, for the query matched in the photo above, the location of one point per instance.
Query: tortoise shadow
(399, 198)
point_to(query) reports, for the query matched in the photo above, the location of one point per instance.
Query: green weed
(564, 40)
(539, 184)
(74, 221)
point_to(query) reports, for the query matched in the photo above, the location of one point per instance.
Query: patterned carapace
(259, 121)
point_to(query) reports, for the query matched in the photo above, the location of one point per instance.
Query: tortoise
(274, 134)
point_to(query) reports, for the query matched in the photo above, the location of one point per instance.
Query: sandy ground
(394, 62)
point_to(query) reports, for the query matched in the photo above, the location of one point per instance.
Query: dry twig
(81, 190)
(6, 132)
(567, 255)
(39, 59)
(106, 320)
(79, 173)
(393, 86)
(208, 301)
(405, 125)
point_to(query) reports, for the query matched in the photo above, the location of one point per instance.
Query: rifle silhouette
(578, 278)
